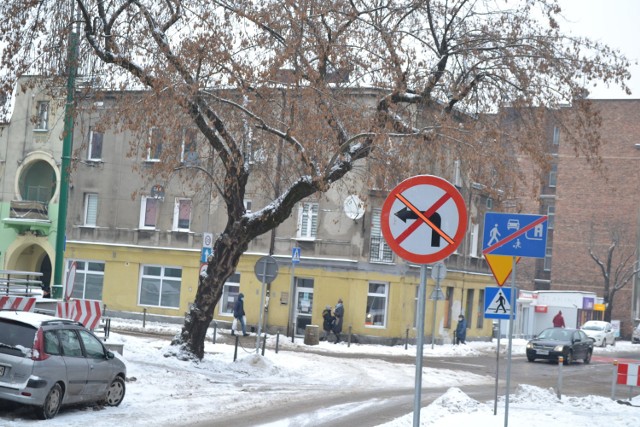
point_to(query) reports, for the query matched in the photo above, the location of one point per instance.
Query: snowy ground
(163, 391)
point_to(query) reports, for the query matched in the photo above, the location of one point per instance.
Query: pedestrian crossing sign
(497, 303)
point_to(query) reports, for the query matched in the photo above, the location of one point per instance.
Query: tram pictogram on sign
(424, 219)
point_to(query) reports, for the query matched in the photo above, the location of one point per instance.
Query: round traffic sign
(439, 271)
(424, 219)
(266, 269)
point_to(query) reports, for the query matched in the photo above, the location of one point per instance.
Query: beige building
(137, 244)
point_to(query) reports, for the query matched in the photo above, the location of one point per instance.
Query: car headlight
(529, 345)
(558, 348)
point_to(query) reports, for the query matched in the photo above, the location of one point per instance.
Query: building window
(379, 251)
(377, 304)
(154, 149)
(468, 312)
(308, 221)
(90, 209)
(95, 145)
(182, 215)
(547, 259)
(149, 208)
(42, 115)
(230, 293)
(480, 310)
(556, 135)
(449, 307)
(551, 216)
(88, 279)
(160, 286)
(189, 154)
(553, 175)
(247, 205)
(473, 240)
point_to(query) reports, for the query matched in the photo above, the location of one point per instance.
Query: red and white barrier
(86, 311)
(17, 303)
(629, 374)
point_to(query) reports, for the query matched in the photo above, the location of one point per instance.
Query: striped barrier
(17, 303)
(88, 312)
(624, 374)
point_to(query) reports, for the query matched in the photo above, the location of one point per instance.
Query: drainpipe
(65, 166)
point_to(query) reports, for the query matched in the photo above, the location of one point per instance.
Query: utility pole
(69, 111)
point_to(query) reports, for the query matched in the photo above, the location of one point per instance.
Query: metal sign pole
(435, 309)
(495, 400)
(291, 299)
(264, 275)
(422, 296)
(513, 305)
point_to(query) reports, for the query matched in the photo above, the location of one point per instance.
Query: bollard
(264, 343)
(349, 337)
(215, 330)
(406, 339)
(144, 317)
(277, 340)
(235, 351)
(560, 363)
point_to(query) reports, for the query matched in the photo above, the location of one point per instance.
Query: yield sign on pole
(501, 266)
(424, 219)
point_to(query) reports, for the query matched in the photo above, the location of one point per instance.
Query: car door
(580, 344)
(100, 371)
(76, 364)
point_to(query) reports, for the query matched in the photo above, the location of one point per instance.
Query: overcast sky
(614, 22)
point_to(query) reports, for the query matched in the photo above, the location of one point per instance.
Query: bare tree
(405, 84)
(618, 263)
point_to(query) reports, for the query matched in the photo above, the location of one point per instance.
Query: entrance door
(303, 305)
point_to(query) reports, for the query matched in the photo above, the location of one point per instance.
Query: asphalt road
(374, 407)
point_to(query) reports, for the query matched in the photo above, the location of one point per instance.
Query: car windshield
(555, 335)
(592, 327)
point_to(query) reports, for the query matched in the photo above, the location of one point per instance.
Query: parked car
(601, 332)
(635, 337)
(551, 343)
(47, 362)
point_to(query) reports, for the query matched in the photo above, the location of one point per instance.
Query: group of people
(332, 322)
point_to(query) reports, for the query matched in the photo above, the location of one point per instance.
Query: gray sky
(613, 22)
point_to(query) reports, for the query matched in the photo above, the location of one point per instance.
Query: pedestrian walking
(239, 315)
(461, 330)
(338, 312)
(328, 323)
(558, 320)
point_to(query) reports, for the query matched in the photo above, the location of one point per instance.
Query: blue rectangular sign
(497, 303)
(513, 234)
(204, 254)
(295, 255)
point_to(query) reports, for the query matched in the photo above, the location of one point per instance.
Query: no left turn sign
(424, 219)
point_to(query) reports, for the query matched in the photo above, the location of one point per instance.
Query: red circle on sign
(414, 201)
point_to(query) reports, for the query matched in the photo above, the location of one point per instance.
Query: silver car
(47, 362)
(635, 337)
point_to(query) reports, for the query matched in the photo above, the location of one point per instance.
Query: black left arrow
(405, 213)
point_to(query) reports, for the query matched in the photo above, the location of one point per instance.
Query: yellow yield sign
(501, 266)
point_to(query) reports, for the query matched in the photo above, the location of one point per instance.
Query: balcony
(28, 215)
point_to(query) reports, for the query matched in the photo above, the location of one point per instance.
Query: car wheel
(568, 359)
(115, 392)
(613, 344)
(52, 403)
(587, 358)
(604, 342)
(531, 358)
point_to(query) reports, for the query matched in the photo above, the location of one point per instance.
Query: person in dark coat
(461, 330)
(238, 313)
(338, 312)
(328, 322)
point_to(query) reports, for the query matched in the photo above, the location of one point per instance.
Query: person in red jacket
(558, 320)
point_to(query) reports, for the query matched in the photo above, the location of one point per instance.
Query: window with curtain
(308, 220)
(189, 154)
(42, 115)
(379, 251)
(95, 145)
(154, 148)
(376, 313)
(230, 293)
(182, 215)
(149, 212)
(90, 209)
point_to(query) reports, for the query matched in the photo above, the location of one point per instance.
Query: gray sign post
(266, 270)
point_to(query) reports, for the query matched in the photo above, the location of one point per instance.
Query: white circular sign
(353, 207)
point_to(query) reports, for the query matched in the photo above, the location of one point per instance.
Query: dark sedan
(550, 344)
